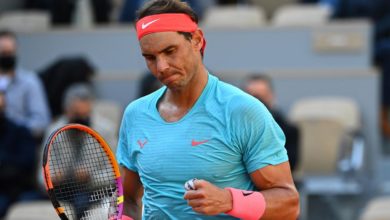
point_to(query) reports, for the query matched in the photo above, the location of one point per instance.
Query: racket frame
(46, 170)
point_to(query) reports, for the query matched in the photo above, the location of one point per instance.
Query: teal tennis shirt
(224, 137)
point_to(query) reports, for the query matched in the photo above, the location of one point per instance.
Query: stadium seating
(377, 209)
(301, 15)
(234, 16)
(271, 6)
(25, 20)
(331, 149)
(37, 210)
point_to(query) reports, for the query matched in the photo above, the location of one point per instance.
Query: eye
(170, 51)
(149, 58)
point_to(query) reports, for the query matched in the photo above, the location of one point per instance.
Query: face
(79, 109)
(7, 46)
(261, 90)
(7, 54)
(173, 59)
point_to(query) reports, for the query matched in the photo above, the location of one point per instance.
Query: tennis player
(197, 126)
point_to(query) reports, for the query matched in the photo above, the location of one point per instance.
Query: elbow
(292, 206)
(295, 205)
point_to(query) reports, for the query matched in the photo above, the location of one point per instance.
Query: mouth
(169, 79)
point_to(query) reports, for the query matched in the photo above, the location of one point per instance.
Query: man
(198, 127)
(261, 87)
(26, 101)
(17, 160)
(78, 107)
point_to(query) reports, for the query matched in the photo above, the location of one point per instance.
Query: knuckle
(202, 194)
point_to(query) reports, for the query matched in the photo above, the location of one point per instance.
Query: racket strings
(83, 177)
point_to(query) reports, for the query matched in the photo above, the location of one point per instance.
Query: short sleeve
(123, 153)
(258, 136)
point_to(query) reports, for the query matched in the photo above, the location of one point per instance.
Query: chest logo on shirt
(142, 143)
(195, 143)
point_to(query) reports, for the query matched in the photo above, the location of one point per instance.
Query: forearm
(277, 187)
(281, 203)
(133, 192)
(133, 209)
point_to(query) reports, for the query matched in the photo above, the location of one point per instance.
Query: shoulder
(27, 74)
(240, 109)
(57, 123)
(237, 101)
(27, 77)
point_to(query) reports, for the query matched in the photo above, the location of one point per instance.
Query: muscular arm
(275, 182)
(277, 186)
(133, 191)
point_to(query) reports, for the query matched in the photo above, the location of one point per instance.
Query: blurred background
(322, 67)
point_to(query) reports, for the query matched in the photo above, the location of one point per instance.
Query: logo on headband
(167, 22)
(143, 26)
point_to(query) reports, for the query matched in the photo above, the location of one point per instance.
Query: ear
(197, 39)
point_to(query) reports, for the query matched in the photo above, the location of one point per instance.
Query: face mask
(83, 121)
(5, 80)
(7, 62)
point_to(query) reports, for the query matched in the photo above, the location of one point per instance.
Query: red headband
(166, 22)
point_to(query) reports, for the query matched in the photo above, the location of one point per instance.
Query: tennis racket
(81, 175)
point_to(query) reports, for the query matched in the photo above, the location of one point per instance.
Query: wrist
(229, 198)
(246, 205)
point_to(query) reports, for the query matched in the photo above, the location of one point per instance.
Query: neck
(175, 104)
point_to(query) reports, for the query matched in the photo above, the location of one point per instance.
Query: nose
(162, 65)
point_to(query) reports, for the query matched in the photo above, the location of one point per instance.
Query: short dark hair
(168, 6)
(77, 91)
(7, 33)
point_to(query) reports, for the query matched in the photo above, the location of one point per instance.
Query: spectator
(78, 105)
(26, 100)
(78, 108)
(17, 160)
(60, 75)
(260, 86)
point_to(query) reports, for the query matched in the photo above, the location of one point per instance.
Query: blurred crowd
(102, 11)
(32, 105)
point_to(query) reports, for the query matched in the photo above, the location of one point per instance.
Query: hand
(208, 199)
(124, 217)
